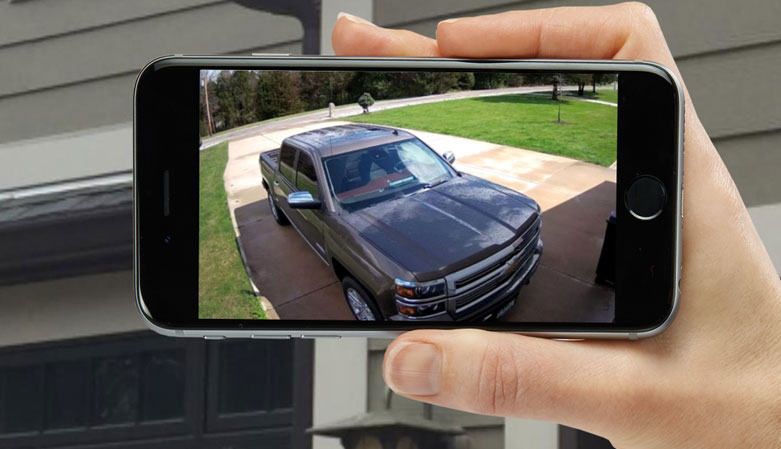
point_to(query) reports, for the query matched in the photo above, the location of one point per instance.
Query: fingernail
(448, 21)
(414, 368)
(352, 18)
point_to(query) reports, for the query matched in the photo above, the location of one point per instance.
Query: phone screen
(407, 196)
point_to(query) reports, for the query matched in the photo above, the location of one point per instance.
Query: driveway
(576, 198)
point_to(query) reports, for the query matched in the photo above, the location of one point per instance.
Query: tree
(441, 82)
(492, 80)
(206, 126)
(380, 83)
(602, 78)
(318, 89)
(466, 80)
(537, 79)
(365, 101)
(278, 94)
(580, 80)
(556, 81)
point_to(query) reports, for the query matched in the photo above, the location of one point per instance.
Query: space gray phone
(329, 196)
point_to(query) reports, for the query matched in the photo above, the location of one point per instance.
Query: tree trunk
(208, 111)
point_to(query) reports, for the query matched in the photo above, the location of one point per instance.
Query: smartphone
(280, 197)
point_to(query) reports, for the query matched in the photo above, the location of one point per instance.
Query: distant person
(713, 379)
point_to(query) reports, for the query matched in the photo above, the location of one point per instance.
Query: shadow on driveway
(563, 288)
(286, 270)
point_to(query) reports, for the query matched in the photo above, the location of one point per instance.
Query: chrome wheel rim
(273, 207)
(359, 306)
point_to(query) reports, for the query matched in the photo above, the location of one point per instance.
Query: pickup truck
(408, 236)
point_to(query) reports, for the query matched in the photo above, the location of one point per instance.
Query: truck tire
(359, 301)
(278, 215)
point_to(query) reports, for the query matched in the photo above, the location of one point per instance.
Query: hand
(713, 379)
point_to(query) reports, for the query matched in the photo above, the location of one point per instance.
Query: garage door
(146, 391)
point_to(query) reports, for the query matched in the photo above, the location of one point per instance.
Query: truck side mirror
(449, 156)
(303, 200)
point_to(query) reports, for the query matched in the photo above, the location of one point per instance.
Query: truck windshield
(366, 177)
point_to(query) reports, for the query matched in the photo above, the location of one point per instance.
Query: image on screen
(407, 196)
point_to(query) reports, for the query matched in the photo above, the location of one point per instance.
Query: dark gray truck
(410, 237)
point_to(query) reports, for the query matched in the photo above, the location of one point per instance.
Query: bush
(365, 101)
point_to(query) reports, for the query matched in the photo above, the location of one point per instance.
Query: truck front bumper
(494, 304)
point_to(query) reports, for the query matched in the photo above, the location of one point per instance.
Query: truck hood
(437, 231)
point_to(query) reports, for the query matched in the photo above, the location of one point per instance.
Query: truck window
(287, 156)
(365, 177)
(306, 178)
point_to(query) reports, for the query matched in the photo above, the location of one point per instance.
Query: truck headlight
(422, 290)
(418, 299)
(420, 310)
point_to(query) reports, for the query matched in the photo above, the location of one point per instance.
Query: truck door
(310, 221)
(284, 184)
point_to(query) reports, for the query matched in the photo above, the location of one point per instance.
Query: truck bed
(269, 164)
(271, 158)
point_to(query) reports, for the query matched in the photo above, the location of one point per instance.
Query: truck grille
(475, 284)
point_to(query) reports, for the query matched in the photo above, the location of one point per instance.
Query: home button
(645, 198)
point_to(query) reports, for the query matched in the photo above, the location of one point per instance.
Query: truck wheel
(359, 301)
(278, 215)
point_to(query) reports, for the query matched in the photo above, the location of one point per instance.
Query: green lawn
(224, 290)
(525, 121)
(609, 95)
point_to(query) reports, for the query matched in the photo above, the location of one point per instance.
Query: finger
(581, 384)
(353, 36)
(623, 31)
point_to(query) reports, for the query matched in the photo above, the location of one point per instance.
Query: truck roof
(346, 138)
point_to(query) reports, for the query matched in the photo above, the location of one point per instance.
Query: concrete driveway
(576, 198)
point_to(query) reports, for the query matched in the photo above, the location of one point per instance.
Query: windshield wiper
(434, 184)
(402, 181)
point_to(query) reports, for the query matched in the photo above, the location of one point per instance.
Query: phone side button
(214, 337)
(321, 336)
(272, 337)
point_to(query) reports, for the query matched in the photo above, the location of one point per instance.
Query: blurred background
(78, 367)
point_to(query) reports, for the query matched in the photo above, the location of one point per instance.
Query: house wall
(69, 70)
(64, 309)
(340, 389)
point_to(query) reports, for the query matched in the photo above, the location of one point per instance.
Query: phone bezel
(152, 100)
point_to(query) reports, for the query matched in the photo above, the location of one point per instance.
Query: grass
(525, 121)
(609, 95)
(224, 290)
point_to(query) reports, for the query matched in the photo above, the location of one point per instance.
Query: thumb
(580, 384)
